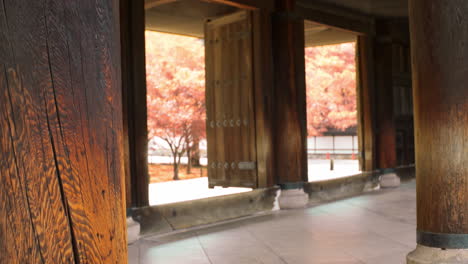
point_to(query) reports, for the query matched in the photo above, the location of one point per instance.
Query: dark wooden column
(61, 170)
(366, 101)
(263, 83)
(439, 36)
(134, 102)
(290, 139)
(385, 120)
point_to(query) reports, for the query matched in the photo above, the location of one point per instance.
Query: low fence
(318, 147)
(343, 147)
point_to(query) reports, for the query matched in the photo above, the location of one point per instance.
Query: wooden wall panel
(61, 173)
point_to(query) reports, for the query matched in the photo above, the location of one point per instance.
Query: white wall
(324, 144)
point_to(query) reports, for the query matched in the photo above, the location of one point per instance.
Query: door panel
(230, 101)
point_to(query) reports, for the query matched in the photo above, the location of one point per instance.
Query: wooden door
(230, 101)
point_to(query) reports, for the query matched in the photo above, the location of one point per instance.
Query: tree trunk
(195, 153)
(189, 160)
(176, 167)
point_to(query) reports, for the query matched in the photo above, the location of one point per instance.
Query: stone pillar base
(428, 255)
(389, 180)
(133, 230)
(293, 199)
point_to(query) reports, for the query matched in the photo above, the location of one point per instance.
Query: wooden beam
(154, 3)
(246, 4)
(61, 169)
(134, 102)
(336, 17)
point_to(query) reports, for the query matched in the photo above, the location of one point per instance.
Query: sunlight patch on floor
(187, 190)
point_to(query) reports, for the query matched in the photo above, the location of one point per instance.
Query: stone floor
(376, 228)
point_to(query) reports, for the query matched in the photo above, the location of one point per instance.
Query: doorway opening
(176, 102)
(332, 142)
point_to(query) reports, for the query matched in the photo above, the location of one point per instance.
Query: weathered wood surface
(385, 120)
(61, 173)
(336, 17)
(263, 83)
(230, 100)
(247, 4)
(365, 102)
(439, 34)
(134, 102)
(290, 139)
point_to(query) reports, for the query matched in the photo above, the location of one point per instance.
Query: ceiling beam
(335, 17)
(246, 4)
(153, 3)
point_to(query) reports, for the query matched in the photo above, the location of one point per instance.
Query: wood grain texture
(263, 83)
(134, 102)
(439, 39)
(61, 185)
(290, 144)
(246, 4)
(384, 101)
(336, 17)
(231, 129)
(366, 102)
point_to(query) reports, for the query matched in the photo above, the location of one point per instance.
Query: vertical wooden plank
(365, 92)
(228, 93)
(244, 77)
(263, 83)
(134, 102)
(210, 103)
(220, 103)
(235, 100)
(61, 133)
(216, 98)
(247, 78)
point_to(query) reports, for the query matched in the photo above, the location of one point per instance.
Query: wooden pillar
(385, 120)
(290, 139)
(365, 102)
(134, 102)
(439, 41)
(263, 82)
(61, 170)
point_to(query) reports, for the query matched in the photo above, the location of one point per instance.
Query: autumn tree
(331, 88)
(175, 92)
